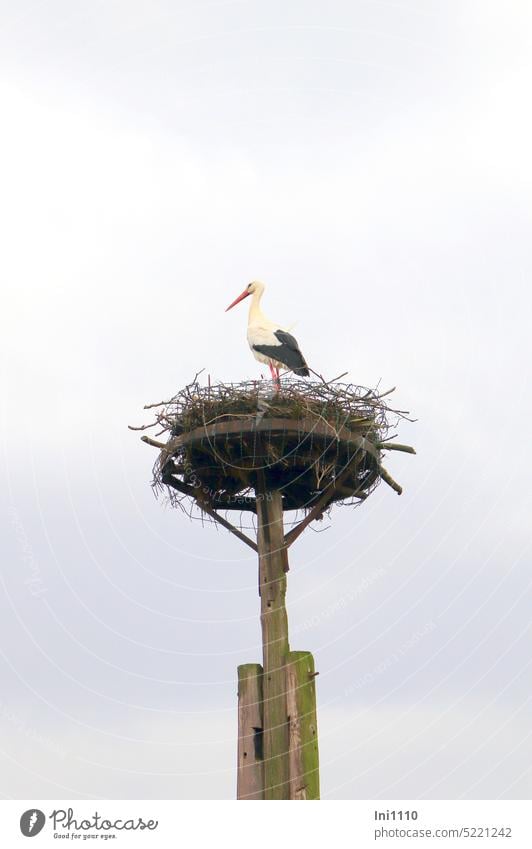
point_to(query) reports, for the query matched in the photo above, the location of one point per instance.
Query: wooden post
(273, 565)
(250, 773)
(277, 731)
(303, 727)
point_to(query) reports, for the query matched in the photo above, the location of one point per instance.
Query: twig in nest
(143, 427)
(327, 382)
(172, 400)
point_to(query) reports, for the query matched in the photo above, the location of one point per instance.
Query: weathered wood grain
(250, 770)
(273, 563)
(303, 728)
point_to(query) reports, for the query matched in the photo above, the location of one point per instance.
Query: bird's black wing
(287, 352)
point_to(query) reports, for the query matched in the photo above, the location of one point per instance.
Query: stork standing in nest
(270, 343)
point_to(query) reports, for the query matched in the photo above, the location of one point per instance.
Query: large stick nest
(226, 441)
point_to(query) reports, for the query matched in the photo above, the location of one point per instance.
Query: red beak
(241, 297)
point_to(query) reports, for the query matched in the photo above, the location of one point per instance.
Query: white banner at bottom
(327, 824)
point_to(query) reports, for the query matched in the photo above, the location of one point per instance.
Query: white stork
(270, 343)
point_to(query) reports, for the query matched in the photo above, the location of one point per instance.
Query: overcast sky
(370, 161)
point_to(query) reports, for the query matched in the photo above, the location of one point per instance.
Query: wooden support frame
(277, 726)
(169, 480)
(320, 506)
(271, 427)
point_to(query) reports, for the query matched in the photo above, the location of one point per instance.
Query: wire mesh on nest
(306, 440)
